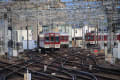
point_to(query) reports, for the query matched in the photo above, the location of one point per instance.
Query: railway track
(64, 65)
(96, 68)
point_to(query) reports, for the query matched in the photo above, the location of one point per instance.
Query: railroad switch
(88, 54)
(74, 77)
(74, 67)
(27, 76)
(45, 68)
(53, 73)
(90, 67)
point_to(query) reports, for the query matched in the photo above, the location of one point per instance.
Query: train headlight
(57, 46)
(46, 46)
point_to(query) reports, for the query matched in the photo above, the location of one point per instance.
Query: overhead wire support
(27, 27)
(37, 29)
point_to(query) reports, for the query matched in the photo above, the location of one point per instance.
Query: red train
(53, 41)
(92, 38)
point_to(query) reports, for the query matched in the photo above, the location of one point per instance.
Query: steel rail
(80, 72)
(98, 68)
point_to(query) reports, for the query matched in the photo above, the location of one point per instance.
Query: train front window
(47, 39)
(88, 37)
(57, 39)
(92, 37)
(52, 39)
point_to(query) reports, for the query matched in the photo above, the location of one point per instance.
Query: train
(51, 41)
(93, 38)
(64, 40)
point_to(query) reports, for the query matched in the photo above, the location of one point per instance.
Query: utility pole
(5, 32)
(82, 36)
(37, 30)
(10, 42)
(27, 33)
(110, 12)
(110, 28)
(97, 32)
(27, 26)
(27, 37)
(74, 35)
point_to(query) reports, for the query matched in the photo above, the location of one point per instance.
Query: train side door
(57, 40)
(52, 40)
(47, 41)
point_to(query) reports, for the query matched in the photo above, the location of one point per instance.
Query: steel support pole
(74, 37)
(37, 30)
(27, 34)
(97, 33)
